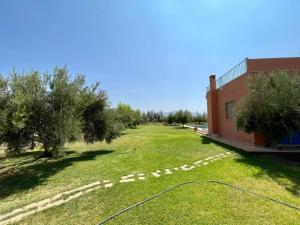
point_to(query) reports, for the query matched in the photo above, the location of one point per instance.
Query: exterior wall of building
(232, 91)
(235, 90)
(268, 65)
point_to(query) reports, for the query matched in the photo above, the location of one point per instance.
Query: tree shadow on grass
(283, 168)
(22, 160)
(28, 177)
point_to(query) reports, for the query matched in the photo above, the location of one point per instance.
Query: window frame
(229, 115)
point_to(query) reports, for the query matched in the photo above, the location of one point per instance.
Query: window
(230, 108)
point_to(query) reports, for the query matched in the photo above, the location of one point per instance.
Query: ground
(148, 148)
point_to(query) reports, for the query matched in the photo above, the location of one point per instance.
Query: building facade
(227, 91)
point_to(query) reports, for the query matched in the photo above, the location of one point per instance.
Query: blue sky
(154, 54)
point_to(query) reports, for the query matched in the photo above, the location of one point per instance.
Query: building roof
(257, 65)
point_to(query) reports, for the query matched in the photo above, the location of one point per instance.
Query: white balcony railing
(233, 73)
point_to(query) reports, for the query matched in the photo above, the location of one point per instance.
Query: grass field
(148, 148)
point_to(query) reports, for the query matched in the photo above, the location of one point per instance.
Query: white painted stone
(204, 164)
(141, 176)
(168, 171)
(109, 185)
(128, 176)
(186, 167)
(198, 162)
(155, 174)
(176, 168)
(127, 180)
(208, 158)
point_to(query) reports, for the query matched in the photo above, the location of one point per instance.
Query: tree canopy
(127, 116)
(52, 109)
(272, 106)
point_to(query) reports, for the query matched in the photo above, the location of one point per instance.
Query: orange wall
(267, 65)
(232, 91)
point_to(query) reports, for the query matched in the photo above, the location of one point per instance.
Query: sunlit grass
(147, 149)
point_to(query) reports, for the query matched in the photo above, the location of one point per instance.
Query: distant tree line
(153, 117)
(173, 118)
(184, 116)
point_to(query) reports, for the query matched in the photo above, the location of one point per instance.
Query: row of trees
(176, 117)
(52, 109)
(130, 118)
(272, 106)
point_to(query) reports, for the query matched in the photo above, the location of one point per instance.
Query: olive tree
(272, 106)
(52, 109)
(21, 100)
(99, 122)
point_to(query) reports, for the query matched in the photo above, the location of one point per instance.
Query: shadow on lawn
(283, 168)
(25, 158)
(34, 174)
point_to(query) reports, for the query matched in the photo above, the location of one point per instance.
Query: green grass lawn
(24, 180)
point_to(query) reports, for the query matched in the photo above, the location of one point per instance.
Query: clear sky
(152, 54)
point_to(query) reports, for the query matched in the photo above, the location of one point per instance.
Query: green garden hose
(196, 182)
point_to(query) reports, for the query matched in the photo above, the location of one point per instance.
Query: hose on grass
(197, 182)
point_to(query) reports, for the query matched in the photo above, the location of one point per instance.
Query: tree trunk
(47, 153)
(32, 146)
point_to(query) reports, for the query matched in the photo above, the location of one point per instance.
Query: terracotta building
(225, 92)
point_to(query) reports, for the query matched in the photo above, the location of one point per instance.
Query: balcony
(233, 73)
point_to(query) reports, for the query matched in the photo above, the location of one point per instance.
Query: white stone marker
(186, 167)
(108, 185)
(198, 162)
(141, 176)
(128, 178)
(156, 174)
(168, 171)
